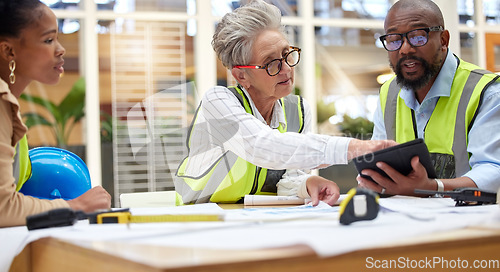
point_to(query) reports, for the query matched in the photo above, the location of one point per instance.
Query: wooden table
(49, 254)
(470, 244)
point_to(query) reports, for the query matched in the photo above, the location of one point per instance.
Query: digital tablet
(398, 157)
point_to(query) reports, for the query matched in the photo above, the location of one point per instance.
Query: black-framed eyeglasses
(273, 67)
(417, 37)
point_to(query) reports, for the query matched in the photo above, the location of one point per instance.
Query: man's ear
(240, 76)
(6, 50)
(445, 39)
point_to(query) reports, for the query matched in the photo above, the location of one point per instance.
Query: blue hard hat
(56, 173)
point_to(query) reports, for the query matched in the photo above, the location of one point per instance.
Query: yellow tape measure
(359, 204)
(127, 217)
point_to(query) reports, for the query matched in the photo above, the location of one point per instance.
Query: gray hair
(235, 34)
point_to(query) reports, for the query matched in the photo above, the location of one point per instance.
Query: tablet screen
(398, 157)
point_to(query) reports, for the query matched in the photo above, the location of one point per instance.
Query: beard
(430, 71)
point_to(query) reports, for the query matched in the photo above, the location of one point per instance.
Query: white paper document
(322, 211)
(418, 205)
(262, 227)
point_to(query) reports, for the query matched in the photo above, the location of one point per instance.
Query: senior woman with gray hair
(255, 138)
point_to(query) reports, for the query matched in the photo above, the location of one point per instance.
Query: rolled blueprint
(255, 200)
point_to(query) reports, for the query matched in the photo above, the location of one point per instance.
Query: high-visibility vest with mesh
(446, 133)
(22, 164)
(230, 178)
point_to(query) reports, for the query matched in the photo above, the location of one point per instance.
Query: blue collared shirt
(484, 136)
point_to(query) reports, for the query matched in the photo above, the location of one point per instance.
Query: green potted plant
(345, 175)
(325, 111)
(359, 127)
(63, 117)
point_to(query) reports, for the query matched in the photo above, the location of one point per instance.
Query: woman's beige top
(14, 206)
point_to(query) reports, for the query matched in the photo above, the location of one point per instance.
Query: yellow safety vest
(230, 178)
(22, 163)
(446, 134)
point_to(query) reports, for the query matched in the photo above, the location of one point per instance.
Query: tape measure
(127, 217)
(359, 204)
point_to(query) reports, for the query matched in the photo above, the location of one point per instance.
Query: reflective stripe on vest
(22, 163)
(446, 135)
(230, 178)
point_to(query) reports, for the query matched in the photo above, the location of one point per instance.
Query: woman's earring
(12, 67)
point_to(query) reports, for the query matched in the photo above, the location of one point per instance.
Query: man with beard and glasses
(453, 105)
